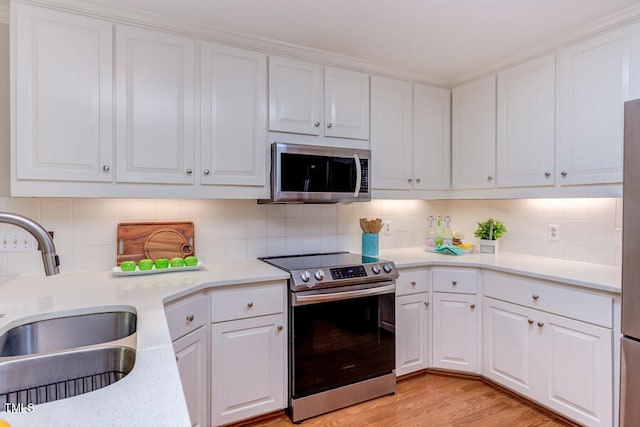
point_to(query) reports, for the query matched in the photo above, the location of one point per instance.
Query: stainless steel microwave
(313, 174)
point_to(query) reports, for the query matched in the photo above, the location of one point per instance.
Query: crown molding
(4, 15)
(270, 46)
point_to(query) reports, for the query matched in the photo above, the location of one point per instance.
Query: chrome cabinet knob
(206, 172)
(418, 180)
(489, 178)
(106, 168)
(250, 304)
(547, 174)
(540, 324)
(280, 328)
(564, 173)
(329, 125)
(413, 283)
(472, 306)
(454, 282)
(190, 318)
(410, 180)
(530, 321)
(317, 124)
(426, 303)
(535, 297)
(189, 171)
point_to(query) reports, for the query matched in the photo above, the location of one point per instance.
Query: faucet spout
(47, 247)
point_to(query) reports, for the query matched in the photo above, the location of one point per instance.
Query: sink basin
(45, 378)
(68, 332)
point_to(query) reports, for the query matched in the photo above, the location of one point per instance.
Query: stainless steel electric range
(341, 330)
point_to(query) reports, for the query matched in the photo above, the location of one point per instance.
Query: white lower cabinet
(412, 326)
(455, 332)
(562, 363)
(247, 368)
(192, 357)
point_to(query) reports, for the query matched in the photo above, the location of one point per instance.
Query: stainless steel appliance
(341, 330)
(312, 174)
(630, 345)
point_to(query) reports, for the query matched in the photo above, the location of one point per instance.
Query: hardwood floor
(433, 399)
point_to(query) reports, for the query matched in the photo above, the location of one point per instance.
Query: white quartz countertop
(151, 395)
(592, 276)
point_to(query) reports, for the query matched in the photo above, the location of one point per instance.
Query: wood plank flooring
(433, 399)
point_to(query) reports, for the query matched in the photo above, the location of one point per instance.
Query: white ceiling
(443, 40)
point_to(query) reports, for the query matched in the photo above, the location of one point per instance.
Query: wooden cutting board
(138, 240)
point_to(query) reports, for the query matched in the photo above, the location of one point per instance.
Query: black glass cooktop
(324, 260)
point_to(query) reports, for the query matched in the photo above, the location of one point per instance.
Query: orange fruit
(3, 423)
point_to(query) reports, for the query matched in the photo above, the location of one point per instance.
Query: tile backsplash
(85, 229)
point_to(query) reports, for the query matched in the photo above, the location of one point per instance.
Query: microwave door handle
(358, 175)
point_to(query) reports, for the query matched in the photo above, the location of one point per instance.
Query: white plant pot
(488, 246)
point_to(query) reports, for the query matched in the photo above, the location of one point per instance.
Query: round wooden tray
(167, 243)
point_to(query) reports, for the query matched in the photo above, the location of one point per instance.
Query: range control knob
(319, 275)
(305, 276)
(375, 269)
(387, 268)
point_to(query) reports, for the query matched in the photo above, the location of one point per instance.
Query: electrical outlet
(553, 232)
(386, 226)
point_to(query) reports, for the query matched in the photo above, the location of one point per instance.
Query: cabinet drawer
(412, 281)
(186, 315)
(458, 280)
(575, 304)
(240, 302)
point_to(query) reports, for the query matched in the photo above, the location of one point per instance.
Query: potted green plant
(489, 232)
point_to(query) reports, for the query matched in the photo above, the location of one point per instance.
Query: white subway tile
(168, 210)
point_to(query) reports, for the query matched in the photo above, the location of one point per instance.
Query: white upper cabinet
(474, 134)
(64, 121)
(298, 98)
(596, 77)
(154, 106)
(233, 116)
(391, 139)
(526, 124)
(431, 138)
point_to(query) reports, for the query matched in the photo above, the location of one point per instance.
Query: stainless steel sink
(45, 378)
(68, 332)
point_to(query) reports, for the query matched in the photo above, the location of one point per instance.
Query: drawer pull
(454, 282)
(535, 297)
(530, 321)
(249, 304)
(472, 306)
(540, 324)
(280, 327)
(190, 318)
(413, 283)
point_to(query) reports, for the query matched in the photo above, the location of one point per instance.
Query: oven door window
(318, 174)
(341, 342)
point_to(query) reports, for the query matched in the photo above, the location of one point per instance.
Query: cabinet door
(511, 355)
(233, 116)
(474, 134)
(526, 124)
(455, 332)
(412, 326)
(248, 360)
(63, 97)
(346, 103)
(431, 138)
(596, 77)
(154, 106)
(579, 371)
(295, 96)
(192, 357)
(391, 140)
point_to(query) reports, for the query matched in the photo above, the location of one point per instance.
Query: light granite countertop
(151, 395)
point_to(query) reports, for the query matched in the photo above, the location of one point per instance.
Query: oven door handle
(336, 296)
